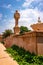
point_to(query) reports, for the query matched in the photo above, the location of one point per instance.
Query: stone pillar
(16, 17)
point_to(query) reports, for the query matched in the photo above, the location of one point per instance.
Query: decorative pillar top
(39, 21)
(16, 16)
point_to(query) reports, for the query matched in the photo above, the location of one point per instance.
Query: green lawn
(24, 57)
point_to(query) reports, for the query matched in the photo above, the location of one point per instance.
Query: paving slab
(5, 59)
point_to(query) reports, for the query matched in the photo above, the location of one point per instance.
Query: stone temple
(31, 41)
(38, 26)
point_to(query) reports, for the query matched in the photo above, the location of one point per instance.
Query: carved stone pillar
(16, 17)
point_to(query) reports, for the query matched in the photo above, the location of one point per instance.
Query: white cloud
(7, 24)
(30, 16)
(1, 16)
(10, 24)
(7, 6)
(40, 6)
(38, 0)
(27, 3)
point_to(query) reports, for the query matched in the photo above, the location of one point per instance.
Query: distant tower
(39, 21)
(16, 17)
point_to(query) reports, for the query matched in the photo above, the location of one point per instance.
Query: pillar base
(16, 30)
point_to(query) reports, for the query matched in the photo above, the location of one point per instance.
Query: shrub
(24, 57)
(6, 33)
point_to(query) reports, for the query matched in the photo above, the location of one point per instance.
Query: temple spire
(39, 21)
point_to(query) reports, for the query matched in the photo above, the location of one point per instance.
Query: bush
(23, 29)
(7, 33)
(24, 57)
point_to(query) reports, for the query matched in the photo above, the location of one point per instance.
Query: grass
(24, 57)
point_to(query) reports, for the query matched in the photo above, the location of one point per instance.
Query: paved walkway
(4, 57)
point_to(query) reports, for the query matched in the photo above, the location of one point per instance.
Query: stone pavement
(5, 59)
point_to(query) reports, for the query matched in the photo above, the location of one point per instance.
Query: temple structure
(31, 41)
(38, 27)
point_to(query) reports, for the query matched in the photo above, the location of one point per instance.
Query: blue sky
(29, 10)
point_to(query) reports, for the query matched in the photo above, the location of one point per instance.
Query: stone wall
(29, 41)
(39, 38)
(0, 38)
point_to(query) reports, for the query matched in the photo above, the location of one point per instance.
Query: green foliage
(23, 29)
(7, 33)
(24, 57)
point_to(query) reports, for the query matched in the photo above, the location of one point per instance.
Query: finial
(39, 21)
(16, 10)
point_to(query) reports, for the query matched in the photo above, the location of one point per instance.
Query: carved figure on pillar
(16, 16)
(16, 28)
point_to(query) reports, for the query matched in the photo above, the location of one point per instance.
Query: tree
(24, 29)
(7, 33)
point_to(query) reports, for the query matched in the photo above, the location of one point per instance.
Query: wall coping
(27, 34)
